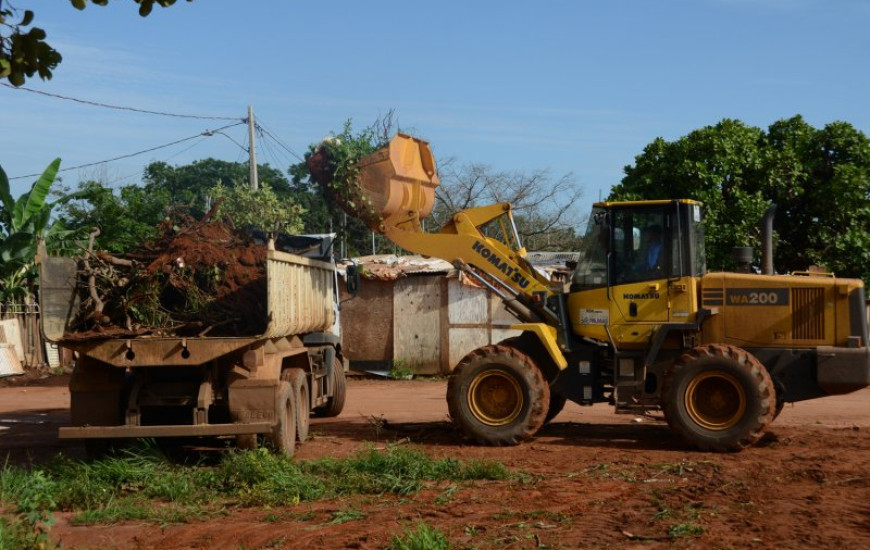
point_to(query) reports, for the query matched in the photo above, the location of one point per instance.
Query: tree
(259, 209)
(25, 52)
(130, 216)
(189, 185)
(544, 207)
(125, 219)
(23, 222)
(819, 180)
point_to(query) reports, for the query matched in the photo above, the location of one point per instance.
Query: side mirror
(353, 279)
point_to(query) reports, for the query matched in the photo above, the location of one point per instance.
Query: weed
(399, 370)
(138, 509)
(144, 486)
(445, 497)
(555, 517)
(687, 529)
(377, 423)
(423, 538)
(344, 516)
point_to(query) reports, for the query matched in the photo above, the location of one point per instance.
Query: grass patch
(685, 530)
(344, 516)
(423, 537)
(145, 486)
(399, 370)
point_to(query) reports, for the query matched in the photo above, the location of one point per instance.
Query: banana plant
(23, 222)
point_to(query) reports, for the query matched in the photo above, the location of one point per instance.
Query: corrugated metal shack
(421, 312)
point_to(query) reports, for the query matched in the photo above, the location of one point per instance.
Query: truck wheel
(497, 396)
(335, 404)
(557, 403)
(283, 436)
(718, 398)
(299, 381)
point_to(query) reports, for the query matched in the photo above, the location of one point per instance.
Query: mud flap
(252, 401)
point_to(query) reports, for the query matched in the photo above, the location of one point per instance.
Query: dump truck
(259, 388)
(718, 353)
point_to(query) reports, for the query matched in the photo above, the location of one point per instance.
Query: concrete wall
(429, 322)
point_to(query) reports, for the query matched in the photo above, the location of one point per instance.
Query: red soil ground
(594, 480)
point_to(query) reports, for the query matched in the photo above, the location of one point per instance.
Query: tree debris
(197, 277)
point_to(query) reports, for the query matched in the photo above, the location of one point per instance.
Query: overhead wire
(206, 133)
(279, 142)
(268, 151)
(117, 107)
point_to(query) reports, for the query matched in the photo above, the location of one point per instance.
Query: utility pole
(252, 150)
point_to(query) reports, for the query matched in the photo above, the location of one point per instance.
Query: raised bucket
(400, 179)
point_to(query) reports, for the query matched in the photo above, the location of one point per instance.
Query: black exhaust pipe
(767, 241)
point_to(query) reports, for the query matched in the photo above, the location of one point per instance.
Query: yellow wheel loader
(641, 325)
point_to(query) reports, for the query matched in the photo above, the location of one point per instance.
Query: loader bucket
(399, 180)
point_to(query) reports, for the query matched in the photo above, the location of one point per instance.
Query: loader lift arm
(483, 242)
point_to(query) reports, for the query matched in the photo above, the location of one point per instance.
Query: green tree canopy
(129, 216)
(818, 178)
(125, 218)
(190, 185)
(24, 51)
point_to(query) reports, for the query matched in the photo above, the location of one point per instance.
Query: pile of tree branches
(333, 164)
(196, 278)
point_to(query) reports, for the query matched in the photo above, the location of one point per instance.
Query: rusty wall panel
(417, 320)
(367, 322)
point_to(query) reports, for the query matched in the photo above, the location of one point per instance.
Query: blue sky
(572, 86)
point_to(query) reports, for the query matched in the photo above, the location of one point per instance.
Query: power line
(279, 142)
(139, 172)
(117, 107)
(206, 133)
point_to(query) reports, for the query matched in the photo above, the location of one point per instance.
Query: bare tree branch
(543, 205)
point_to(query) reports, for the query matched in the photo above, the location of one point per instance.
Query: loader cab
(631, 242)
(638, 271)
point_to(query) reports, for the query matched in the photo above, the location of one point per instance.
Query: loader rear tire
(497, 396)
(718, 398)
(283, 436)
(299, 381)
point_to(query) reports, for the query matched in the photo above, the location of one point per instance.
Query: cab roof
(660, 202)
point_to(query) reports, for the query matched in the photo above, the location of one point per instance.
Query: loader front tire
(718, 398)
(497, 396)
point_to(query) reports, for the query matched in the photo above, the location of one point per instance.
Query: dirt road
(593, 479)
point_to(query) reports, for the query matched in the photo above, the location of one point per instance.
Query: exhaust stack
(767, 241)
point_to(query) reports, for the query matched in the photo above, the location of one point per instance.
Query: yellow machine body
(640, 325)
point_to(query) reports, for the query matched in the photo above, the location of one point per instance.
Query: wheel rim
(715, 400)
(495, 398)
